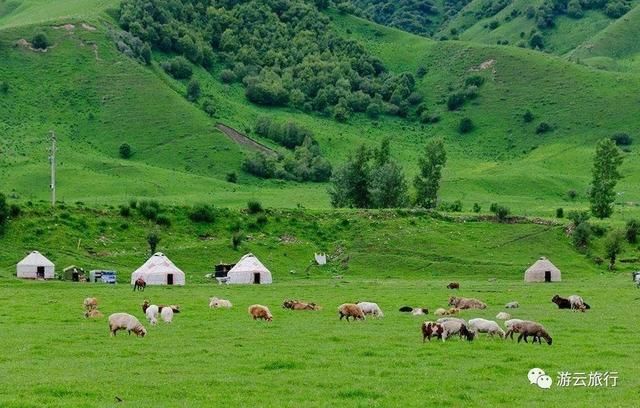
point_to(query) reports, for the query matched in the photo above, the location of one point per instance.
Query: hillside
(97, 99)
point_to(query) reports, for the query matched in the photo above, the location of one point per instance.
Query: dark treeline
(283, 51)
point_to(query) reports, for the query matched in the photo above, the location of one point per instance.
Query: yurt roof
(543, 265)
(249, 263)
(35, 258)
(158, 263)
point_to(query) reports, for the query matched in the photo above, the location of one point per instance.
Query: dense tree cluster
(283, 51)
(546, 12)
(288, 134)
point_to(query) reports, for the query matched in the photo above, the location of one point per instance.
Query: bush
(193, 90)
(622, 139)
(236, 239)
(559, 213)
(14, 211)
(543, 127)
(40, 41)
(578, 217)
(502, 213)
(260, 165)
(202, 213)
(232, 177)
(208, 107)
(536, 41)
(178, 67)
(4, 87)
(227, 76)
(572, 194)
(581, 235)
(163, 220)
(476, 208)
(475, 80)
(149, 209)
(455, 101)
(254, 207)
(465, 125)
(262, 220)
(528, 116)
(125, 211)
(631, 233)
(493, 207)
(133, 203)
(374, 110)
(494, 24)
(125, 151)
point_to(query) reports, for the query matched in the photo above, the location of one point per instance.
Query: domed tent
(159, 270)
(35, 266)
(249, 270)
(542, 271)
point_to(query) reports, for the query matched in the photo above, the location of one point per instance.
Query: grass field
(54, 357)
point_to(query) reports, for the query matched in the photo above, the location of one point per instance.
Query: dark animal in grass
(564, 303)
(406, 309)
(453, 285)
(139, 284)
(536, 330)
(431, 329)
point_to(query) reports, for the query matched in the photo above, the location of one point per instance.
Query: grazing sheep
(350, 310)
(485, 326)
(407, 309)
(216, 303)
(512, 305)
(175, 308)
(370, 308)
(455, 326)
(167, 314)
(466, 303)
(93, 314)
(453, 285)
(431, 329)
(260, 312)
(90, 303)
(446, 319)
(511, 327)
(534, 329)
(503, 316)
(152, 314)
(125, 321)
(577, 304)
(298, 305)
(419, 311)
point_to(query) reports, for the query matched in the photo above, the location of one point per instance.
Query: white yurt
(249, 270)
(542, 271)
(159, 270)
(35, 266)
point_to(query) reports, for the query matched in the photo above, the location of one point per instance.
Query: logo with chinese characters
(538, 377)
(590, 379)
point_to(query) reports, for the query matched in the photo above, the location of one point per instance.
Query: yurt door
(547, 276)
(256, 278)
(170, 279)
(40, 272)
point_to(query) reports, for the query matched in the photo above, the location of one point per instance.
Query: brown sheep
(298, 305)
(260, 312)
(90, 303)
(431, 329)
(93, 314)
(466, 303)
(350, 310)
(534, 329)
(444, 312)
(453, 285)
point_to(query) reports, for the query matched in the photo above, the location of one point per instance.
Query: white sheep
(485, 326)
(503, 316)
(512, 305)
(455, 326)
(125, 321)
(446, 319)
(167, 314)
(152, 314)
(216, 303)
(419, 311)
(370, 308)
(577, 303)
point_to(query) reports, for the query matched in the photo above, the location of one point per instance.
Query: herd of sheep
(443, 328)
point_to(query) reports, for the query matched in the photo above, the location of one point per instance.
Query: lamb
(90, 303)
(152, 314)
(350, 310)
(453, 285)
(167, 314)
(260, 312)
(216, 303)
(431, 329)
(444, 312)
(466, 303)
(503, 316)
(370, 308)
(455, 326)
(512, 305)
(419, 311)
(486, 326)
(298, 305)
(93, 314)
(534, 329)
(125, 321)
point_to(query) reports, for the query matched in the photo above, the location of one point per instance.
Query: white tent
(542, 271)
(159, 270)
(35, 266)
(249, 270)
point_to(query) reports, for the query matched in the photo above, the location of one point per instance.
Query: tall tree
(613, 246)
(388, 186)
(427, 183)
(350, 183)
(605, 172)
(153, 239)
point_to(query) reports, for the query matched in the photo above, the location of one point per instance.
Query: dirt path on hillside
(244, 140)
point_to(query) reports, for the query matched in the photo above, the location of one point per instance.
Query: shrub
(40, 41)
(536, 41)
(254, 207)
(236, 239)
(208, 107)
(193, 90)
(502, 213)
(374, 110)
(125, 211)
(631, 233)
(149, 209)
(421, 71)
(261, 220)
(543, 127)
(178, 67)
(4, 87)
(578, 217)
(260, 165)
(493, 207)
(475, 80)
(456, 206)
(125, 150)
(227, 76)
(559, 213)
(455, 101)
(572, 194)
(232, 177)
(14, 211)
(581, 235)
(202, 213)
(476, 208)
(414, 98)
(133, 203)
(528, 116)
(163, 220)
(465, 125)
(153, 240)
(622, 139)
(494, 24)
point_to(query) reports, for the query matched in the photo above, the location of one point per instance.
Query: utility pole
(52, 159)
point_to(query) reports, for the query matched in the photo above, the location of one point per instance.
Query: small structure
(249, 270)
(35, 266)
(159, 270)
(220, 272)
(74, 274)
(102, 276)
(542, 271)
(321, 259)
